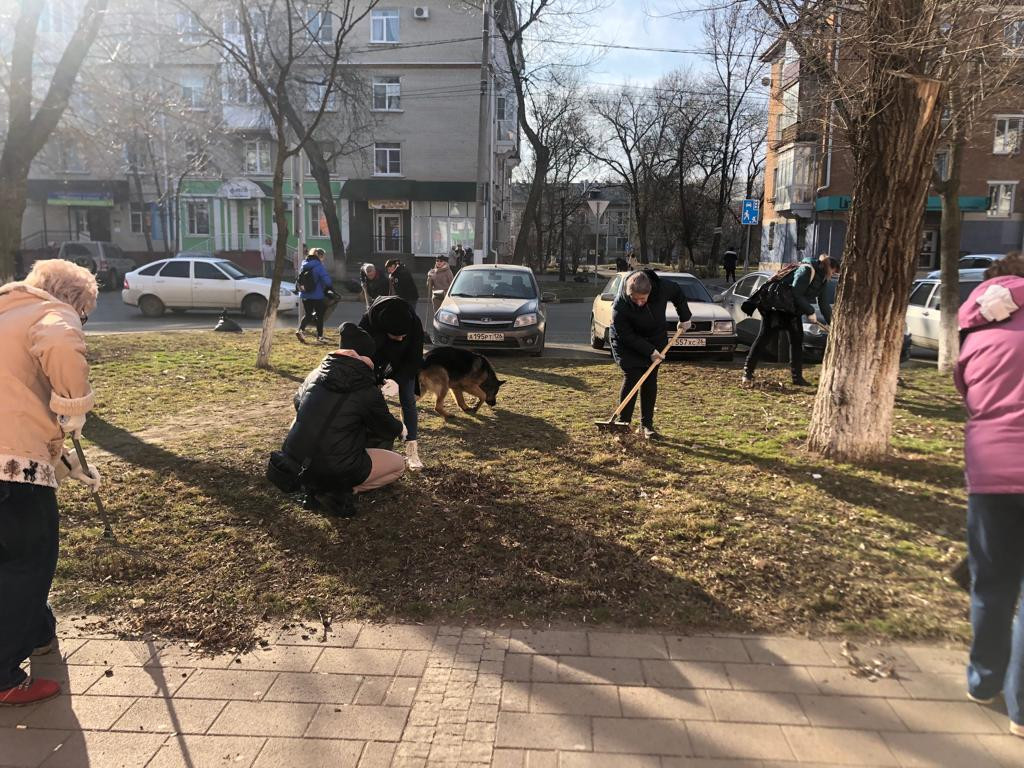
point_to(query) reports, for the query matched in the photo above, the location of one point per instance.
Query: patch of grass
(524, 513)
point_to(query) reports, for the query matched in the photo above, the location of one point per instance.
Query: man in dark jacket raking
(639, 333)
(398, 335)
(346, 460)
(808, 283)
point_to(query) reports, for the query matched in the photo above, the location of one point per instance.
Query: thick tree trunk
(949, 231)
(894, 156)
(322, 174)
(13, 191)
(542, 159)
(280, 258)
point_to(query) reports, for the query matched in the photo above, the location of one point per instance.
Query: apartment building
(809, 174)
(404, 185)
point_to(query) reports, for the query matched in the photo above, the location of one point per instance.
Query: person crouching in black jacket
(638, 334)
(346, 459)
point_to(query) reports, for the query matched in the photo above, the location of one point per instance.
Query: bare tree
(884, 65)
(31, 121)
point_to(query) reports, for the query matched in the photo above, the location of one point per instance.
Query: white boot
(412, 455)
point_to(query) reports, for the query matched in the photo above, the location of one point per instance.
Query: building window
(771, 235)
(135, 156)
(317, 221)
(321, 26)
(1001, 198)
(237, 87)
(327, 150)
(317, 97)
(501, 108)
(189, 28)
(141, 221)
(387, 159)
(70, 157)
(193, 91)
(801, 234)
(198, 217)
(1008, 134)
(387, 94)
(384, 26)
(257, 157)
(253, 220)
(942, 165)
(1015, 34)
(790, 112)
(231, 25)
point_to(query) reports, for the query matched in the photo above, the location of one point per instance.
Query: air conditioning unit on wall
(421, 12)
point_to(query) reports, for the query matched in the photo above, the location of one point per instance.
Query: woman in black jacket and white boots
(346, 459)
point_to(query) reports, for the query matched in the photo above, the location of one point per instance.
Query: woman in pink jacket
(44, 396)
(990, 376)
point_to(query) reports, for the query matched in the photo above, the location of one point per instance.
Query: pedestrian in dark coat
(401, 282)
(373, 282)
(344, 460)
(638, 334)
(729, 261)
(398, 335)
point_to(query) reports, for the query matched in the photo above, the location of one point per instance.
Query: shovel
(108, 532)
(613, 425)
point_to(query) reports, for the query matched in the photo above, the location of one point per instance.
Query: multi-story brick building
(809, 174)
(408, 188)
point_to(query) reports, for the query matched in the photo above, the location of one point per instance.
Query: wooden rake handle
(655, 364)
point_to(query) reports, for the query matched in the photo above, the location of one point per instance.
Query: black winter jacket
(340, 459)
(398, 360)
(637, 331)
(403, 285)
(378, 286)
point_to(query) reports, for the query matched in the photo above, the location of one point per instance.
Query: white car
(923, 312)
(712, 332)
(180, 283)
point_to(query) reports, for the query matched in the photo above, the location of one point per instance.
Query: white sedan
(200, 283)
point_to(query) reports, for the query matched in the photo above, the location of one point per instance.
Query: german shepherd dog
(461, 371)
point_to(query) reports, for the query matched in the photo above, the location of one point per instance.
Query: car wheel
(151, 306)
(597, 342)
(112, 280)
(254, 306)
(537, 352)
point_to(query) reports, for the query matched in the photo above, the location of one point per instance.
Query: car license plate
(485, 336)
(691, 343)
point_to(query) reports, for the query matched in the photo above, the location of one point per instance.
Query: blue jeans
(28, 560)
(995, 550)
(407, 397)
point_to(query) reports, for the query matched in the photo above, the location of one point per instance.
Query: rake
(613, 424)
(108, 532)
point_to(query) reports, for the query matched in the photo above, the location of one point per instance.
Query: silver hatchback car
(492, 307)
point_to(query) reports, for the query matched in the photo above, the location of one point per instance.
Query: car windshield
(234, 271)
(693, 288)
(493, 284)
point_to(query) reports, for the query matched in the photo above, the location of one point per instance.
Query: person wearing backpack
(783, 301)
(312, 283)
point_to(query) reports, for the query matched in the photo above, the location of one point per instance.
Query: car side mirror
(718, 298)
(607, 296)
(439, 294)
(548, 297)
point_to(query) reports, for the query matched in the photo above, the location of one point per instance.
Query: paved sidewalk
(368, 696)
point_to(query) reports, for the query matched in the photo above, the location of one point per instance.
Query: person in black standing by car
(639, 333)
(799, 289)
(401, 282)
(729, 260)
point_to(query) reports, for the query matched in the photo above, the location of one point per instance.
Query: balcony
(246, 117)
(794, 200)
(506, 135)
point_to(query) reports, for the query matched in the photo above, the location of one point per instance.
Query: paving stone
(309, 753)
(226, 684)
(280, 658)
(508, 758)
(921, 685)
(739, 740)
(839, 746)
(402, 692)
(675, 703)
(140, 681)
(12, 716)
(103, 750)
(599, 760)
(574, 699)
(839, 682)
(1007, 750)
(368, 723)
(544, 669)
(476, 752)
(944, 717)
(700, 648)
(763, 677)
(928, 750)
(685, 674)
(373, 691)
(872, 714)
(183, 656)
(587, 669)
(938, 661)
(113, 653)
(263, 718)
(480, 732)
(314, 687)
(73, 680)
(377, 754)
(202, 751)
(359, 661)
(397, 637)
(709, 762)
(65, 647)
(894, 654)
(517, 729)
(756, 707)
(483, 713)
(788, 651)
(652, 737)
(550, 642)
(27, 749)
(625, 645)
(518, 666)
(91, 713)
(540, 759)
(342, 635)
(170, 716)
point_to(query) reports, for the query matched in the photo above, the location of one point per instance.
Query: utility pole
(483, 143)
(561, 244)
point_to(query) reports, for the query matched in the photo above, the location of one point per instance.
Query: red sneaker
(29, 692)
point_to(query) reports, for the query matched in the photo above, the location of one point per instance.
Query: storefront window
(438, 226)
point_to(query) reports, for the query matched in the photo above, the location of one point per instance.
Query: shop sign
(239, 189)
(388, 205)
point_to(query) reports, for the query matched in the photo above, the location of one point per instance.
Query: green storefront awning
(968, 203)
(81, 199)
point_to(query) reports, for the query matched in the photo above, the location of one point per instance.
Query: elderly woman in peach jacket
(44, 396)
